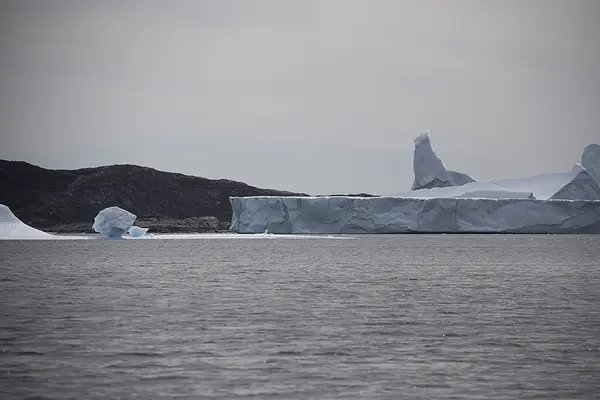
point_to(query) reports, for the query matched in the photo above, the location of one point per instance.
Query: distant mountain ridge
(68, 200)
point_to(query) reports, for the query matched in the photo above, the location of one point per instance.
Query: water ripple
(379, 317)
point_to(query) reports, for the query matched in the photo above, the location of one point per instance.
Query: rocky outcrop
(68, 200)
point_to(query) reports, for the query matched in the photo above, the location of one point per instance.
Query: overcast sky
(316, 96)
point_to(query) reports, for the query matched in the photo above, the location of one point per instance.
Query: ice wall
(404, 215)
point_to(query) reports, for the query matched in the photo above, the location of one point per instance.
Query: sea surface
(376, 317)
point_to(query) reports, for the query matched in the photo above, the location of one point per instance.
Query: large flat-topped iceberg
(576, 184)
(335, 215)
(430, 171)
(13, 228)
(441, 200)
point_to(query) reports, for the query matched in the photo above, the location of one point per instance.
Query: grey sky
(319, 96)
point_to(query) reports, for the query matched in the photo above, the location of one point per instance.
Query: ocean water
(377, 317)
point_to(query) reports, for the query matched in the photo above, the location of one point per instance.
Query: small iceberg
(136, 231)
(113, 222)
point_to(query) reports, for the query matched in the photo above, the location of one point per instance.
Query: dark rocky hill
(68, 200)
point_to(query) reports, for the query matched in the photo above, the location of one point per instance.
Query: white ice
(576, 184)
(430, 171)
(13, 228)
(136, 231)
(590, 160)
(113, 222)
(567, 202)
(339, 214)
(496, 194)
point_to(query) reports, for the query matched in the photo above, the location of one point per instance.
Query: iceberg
(433, 180)
(496, 194)
(590, 160)
(582, 186)
(430, 171)
(13, 228)
(440, 201)
(113, 222)
(576, 184)
(346, 215)
(136, 231)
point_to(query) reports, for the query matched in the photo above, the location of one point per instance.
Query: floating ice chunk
(13, 228)
(429, 169)
(136, 231)
(113, 222)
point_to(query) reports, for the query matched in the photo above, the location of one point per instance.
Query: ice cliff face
(429, 169)
(590, 160)
(405, 215)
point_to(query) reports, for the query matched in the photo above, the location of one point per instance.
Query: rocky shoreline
(66, 201)
(156, 225)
